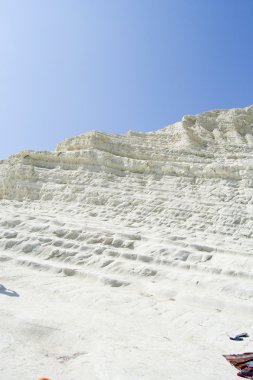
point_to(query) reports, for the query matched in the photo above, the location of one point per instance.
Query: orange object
(43, 378)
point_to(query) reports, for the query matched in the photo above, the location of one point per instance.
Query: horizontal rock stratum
(174, 204)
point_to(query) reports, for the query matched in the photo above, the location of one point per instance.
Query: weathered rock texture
(173, 204)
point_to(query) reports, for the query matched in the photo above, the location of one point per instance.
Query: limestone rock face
(140, 204)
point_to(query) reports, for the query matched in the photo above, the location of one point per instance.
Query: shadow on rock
(8, 292)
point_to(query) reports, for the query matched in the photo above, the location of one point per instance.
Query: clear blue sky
(69, 66)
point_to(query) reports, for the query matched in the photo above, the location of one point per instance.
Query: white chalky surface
(131, 254)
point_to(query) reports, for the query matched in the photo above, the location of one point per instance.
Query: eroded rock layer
(174, 204)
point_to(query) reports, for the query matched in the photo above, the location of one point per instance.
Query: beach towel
(243, 362)
(238, 360)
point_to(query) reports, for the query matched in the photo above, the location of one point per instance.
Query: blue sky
(69, 66)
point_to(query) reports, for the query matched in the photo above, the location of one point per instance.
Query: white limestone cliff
(190, 184)
(165, 215)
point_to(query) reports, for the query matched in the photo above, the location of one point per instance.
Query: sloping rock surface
(175, 204)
